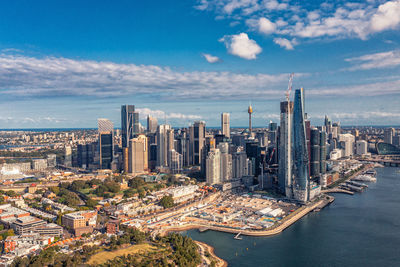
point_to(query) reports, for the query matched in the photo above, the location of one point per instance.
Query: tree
(91, 203)
(55, 189)
(167, 202)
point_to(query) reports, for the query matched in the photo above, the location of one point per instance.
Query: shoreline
(205, 247)
(276, 230)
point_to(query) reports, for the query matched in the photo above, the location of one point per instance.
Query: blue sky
(67, 63)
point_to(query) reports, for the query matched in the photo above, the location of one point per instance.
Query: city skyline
(71, 63)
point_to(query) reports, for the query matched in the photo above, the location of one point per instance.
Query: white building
(213, 167)
(226, 162)
(347, 144)
(39, 164)
(361, 147)
(225, 125)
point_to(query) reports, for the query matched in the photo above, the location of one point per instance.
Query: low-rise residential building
(80, 221)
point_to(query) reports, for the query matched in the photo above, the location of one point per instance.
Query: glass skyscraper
(300, 155)
(129, 124)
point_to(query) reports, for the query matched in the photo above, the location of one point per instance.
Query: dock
(237, 237)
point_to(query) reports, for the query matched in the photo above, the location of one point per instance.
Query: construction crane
(289, 89)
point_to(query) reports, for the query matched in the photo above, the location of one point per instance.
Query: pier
(337, 190)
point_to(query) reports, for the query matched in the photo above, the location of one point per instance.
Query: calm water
(359, 230)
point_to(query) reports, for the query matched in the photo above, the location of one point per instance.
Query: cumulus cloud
(211, 58)
(387, 16)
(266, 26)
(240, 45)
(375, 61)
(159, 114)
(287, 44)
(288, 19)
(22, 76)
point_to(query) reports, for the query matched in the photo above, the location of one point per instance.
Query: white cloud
(240, 45)
(203, 4)
(159, 114)
(387, 16)
(287, 44)
(266, 26)
(287, 19)
(22, 76)
(274, 5)
(375, 61)
(211, 58)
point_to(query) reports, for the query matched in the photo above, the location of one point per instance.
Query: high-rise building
(300, 172)
(239, 164)
(129, 123)
(175, 161)
(285, 149)
(225, 125)
(315, 153)
(138, 154)
(213, 167)
(68, 156)
(86, 154)
(323, 152)
(388, 135)
(347, 144)
(151, 124)
(106, 145)
(165, 142)
(197, 140)
(361, 147)
(226, 162)
(328, 124)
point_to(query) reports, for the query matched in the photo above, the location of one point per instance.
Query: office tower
(323, 152)
(239, 164)
(347, 144)
(226, 162)
(361, 147)
(262, 138)
(151, 124)
(253, 152)
(138, 155)
(388, 135)
(86, 154)
(213, 167)
(315, 152)
(197, 139)
(328, 124)
(152, 156)
(51, 160)
(208, 146)
(165, 142)
(68, 156)
(225, 125)
(300, 160)
(336, 131)
(250, 111)
(285, 149)
(175, 161)
(239, 140)
(129, 123)
(106, 149)
(273, 133)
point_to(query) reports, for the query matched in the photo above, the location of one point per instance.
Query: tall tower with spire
(250, 111)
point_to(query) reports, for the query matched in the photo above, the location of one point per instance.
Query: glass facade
(129, 123)
(299, 142)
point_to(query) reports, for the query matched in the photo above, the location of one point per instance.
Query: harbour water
(359, 230)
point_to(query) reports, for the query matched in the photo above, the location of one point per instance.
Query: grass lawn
(104, 256)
